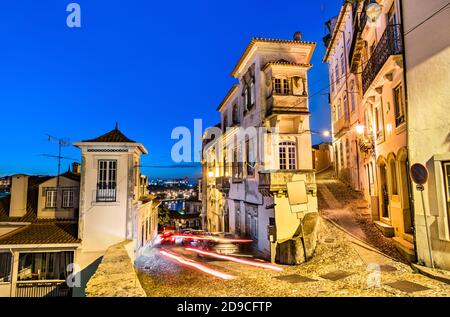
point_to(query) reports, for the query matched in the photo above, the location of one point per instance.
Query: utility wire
(427, 19)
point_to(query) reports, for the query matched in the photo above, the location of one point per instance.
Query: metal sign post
(419, 175)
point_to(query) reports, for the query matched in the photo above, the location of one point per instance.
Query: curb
(428, 272)
(360, 242)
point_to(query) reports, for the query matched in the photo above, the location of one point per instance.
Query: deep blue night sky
(150, 65)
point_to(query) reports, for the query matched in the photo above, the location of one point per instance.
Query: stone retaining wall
(115, 276)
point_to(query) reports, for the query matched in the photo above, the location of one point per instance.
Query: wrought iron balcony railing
(43, 289)
(106, 194)
(390, 44)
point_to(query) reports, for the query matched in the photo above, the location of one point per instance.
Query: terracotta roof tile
(113, 136)
(46, 232)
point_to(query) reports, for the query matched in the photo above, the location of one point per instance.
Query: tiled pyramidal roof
(113, 136)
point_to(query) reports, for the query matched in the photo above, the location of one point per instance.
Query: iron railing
(106, 194)
(43, 289)
(390, 44)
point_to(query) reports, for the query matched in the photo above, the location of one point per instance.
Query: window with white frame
(342, 64)
(288, 155)
(50, 198)
(281, 86)
(245, 97)
(252, 93)
(106, 180)
(68, 198)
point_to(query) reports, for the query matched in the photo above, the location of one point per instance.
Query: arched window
(288, 155)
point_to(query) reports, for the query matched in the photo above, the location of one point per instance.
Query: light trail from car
(237, 260)
(216, 239)
(195, 265)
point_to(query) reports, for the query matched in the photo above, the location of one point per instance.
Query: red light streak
(213, 238)
(196, 265)
(238, 260)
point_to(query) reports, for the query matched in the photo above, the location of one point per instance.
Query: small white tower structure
(110, 182)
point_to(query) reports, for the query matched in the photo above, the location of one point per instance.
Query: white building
(50, 222)
(427, 55)
(245, 174)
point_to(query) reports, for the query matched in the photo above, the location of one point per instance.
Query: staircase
(405, 245)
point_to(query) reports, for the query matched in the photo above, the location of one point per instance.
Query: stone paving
(367, 273)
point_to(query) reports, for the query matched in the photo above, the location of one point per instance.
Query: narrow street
(348, 209)
(342, 266)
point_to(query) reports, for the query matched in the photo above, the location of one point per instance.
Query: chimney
(76, 168)
(19, 190)
(298, 36)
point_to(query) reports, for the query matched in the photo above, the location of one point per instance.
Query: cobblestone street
(340, 267)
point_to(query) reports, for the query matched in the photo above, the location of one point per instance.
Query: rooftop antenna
(61, 142)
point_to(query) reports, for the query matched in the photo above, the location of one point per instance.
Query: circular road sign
(419, 173)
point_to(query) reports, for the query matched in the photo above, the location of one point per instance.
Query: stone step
(386, 229)
(408, 237)
(405, 248)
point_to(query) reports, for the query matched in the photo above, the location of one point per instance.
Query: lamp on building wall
(210, 174)
(360, 129)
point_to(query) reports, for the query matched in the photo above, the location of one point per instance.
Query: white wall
(427, 53)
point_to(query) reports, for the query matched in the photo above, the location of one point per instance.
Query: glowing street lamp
(360, 129)
(326, 133)
(210, 174)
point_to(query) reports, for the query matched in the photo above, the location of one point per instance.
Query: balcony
(276, 180)
(340, 126)
(389, 44)
(43, 289)
(287, 104)
(223, 184)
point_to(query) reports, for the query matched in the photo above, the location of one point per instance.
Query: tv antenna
(61, 142)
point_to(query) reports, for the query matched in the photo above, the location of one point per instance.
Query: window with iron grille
(50, 199)
(399, 105)
(288, 155)
(106, 181)
(68, 198)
